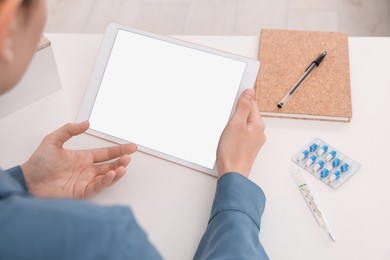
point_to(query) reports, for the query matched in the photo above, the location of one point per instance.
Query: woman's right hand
(242, 138)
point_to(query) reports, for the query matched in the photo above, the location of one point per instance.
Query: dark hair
(26, 3)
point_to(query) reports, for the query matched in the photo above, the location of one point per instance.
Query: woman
(40, 217)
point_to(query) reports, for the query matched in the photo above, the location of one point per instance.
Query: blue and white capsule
(311, 160)
(330, 156)
(344, 167)
(318, 165)
(325, 172)
(322, 150)
(314, 146)
(334, 176)
(336, 162)
(303, 155)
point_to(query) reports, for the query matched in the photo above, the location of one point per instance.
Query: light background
(221, 17)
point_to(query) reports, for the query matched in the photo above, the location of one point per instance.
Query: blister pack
(326, 163)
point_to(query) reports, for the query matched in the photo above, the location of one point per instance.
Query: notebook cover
(284, 56)
(43, 43)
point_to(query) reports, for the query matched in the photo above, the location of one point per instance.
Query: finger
(100, 182)
(120, 172)
(244, 106)
(104, 168)
(63, 134)
(104, 181)
(109, 153)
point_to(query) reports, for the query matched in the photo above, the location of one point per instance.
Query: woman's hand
(54, 172)
(242, 138)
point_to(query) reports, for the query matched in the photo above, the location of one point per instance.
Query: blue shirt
(35, 228)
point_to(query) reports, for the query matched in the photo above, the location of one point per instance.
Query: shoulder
(54, 226)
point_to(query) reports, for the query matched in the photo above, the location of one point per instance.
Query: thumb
(244, 105)
(254, 115)
(63, 134)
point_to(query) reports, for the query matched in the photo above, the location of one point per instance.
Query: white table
(172, 203)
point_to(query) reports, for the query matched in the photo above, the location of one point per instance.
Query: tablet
(170, 97)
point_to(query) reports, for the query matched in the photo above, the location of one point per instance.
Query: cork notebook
(284, 56)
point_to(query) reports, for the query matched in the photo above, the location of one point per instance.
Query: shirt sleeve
(17, 174)
(33, 228)
(234, 224)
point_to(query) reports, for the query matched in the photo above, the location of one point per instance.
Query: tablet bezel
(248, 80)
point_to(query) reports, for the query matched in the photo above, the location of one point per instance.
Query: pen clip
(311, 64)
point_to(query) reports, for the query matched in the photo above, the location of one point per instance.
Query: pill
(323, 150)
(336, 162)
(303, 155)
(344, 167)
(313, 147)
(335, 175)
(330, 156)
(318, 165)
(325, 172)
(311, 160)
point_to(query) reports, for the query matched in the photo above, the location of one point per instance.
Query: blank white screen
(166, 97)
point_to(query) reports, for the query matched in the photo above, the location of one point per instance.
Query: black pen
(309, 69)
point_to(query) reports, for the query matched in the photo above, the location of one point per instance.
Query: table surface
(173, 203)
